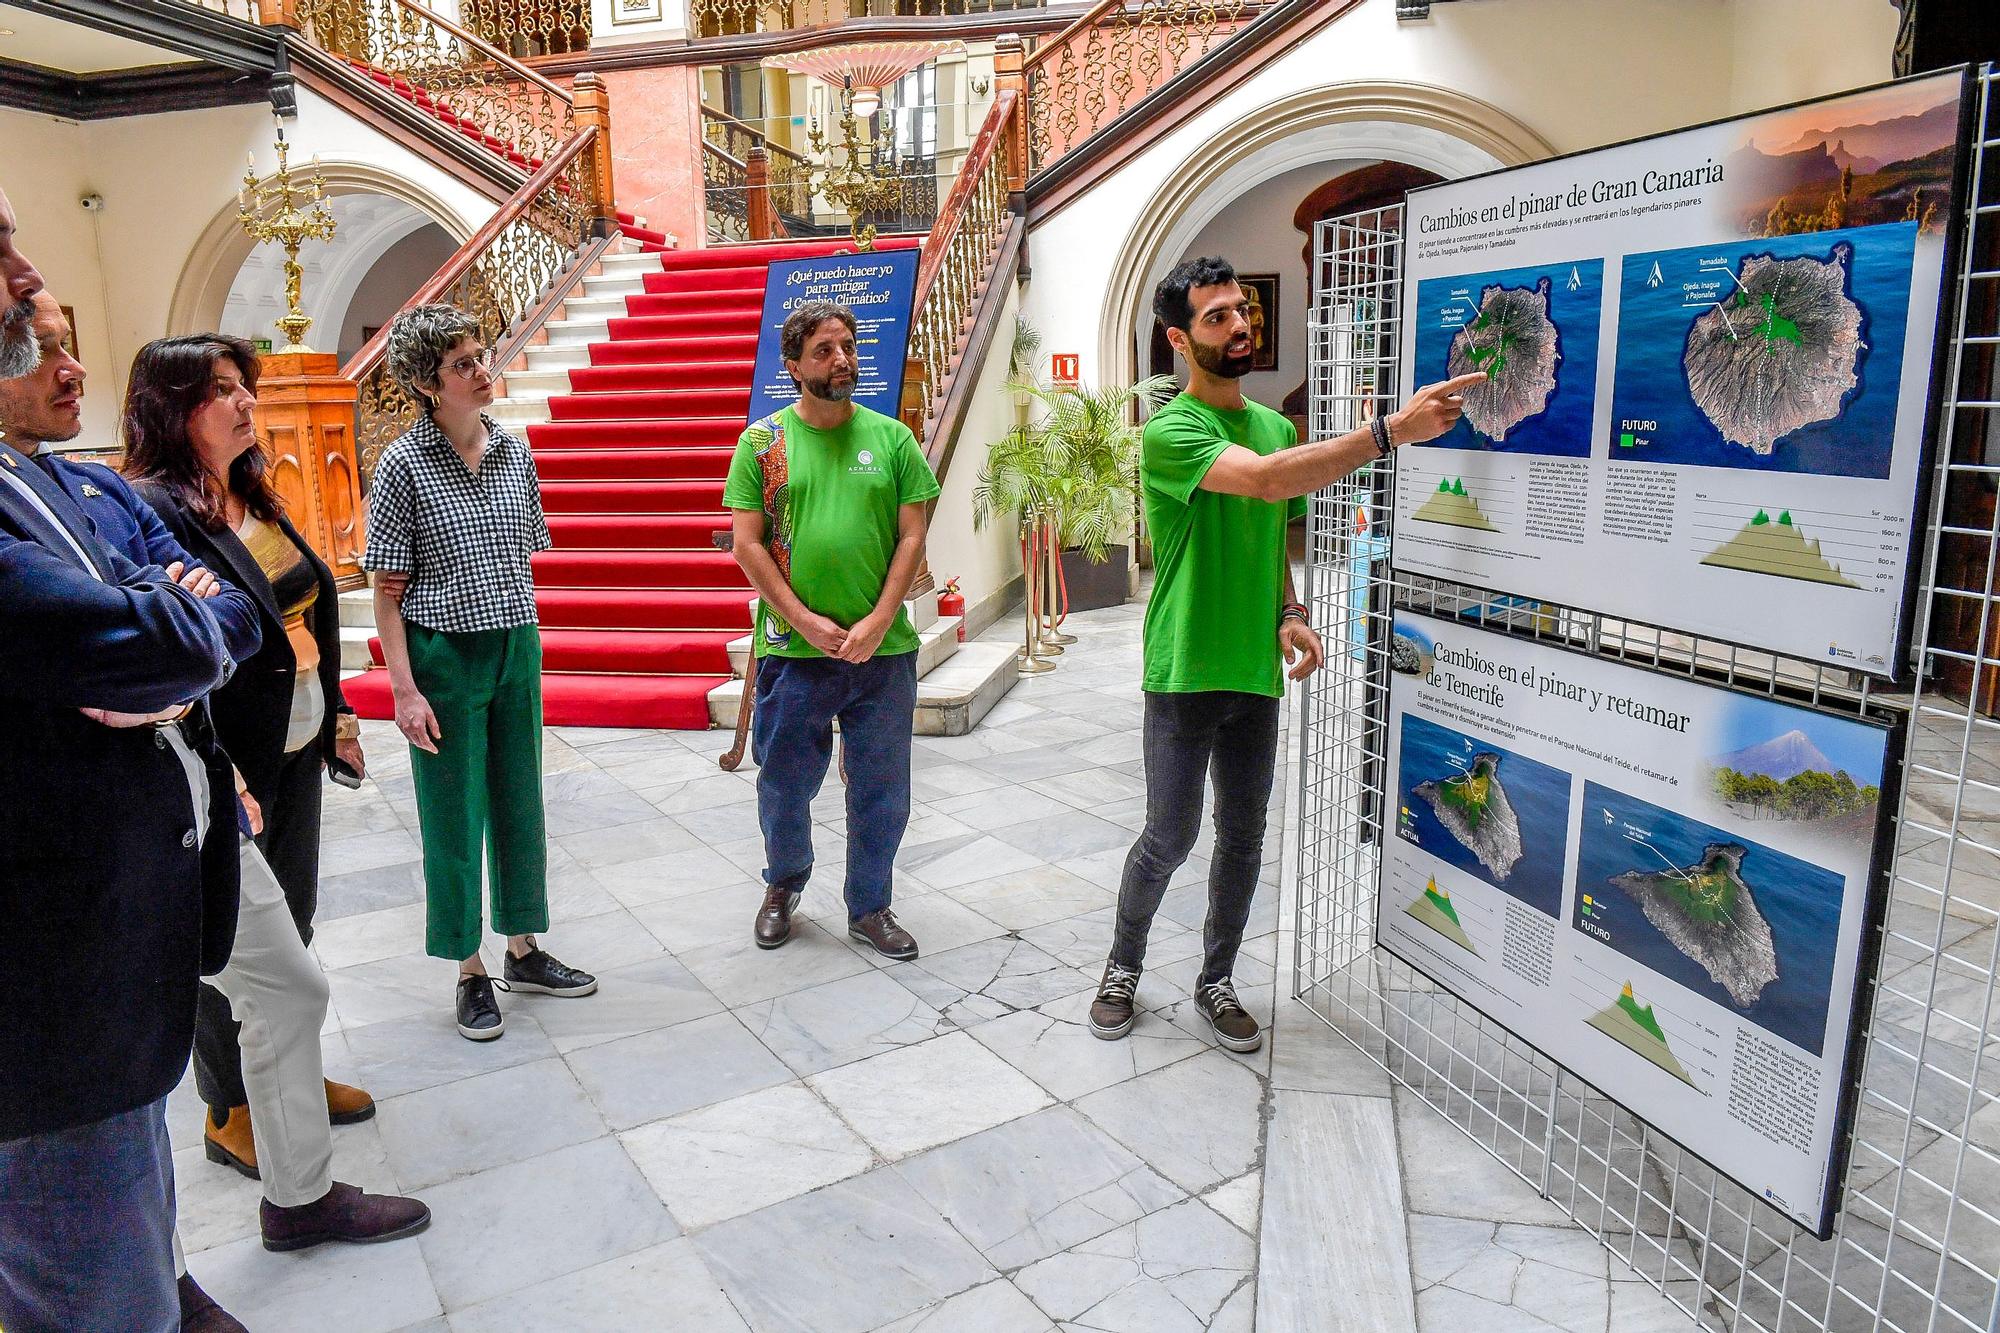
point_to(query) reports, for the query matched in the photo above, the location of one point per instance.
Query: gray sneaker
(1227, 1018)
(1111, 1014)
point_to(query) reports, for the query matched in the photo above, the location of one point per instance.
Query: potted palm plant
(1075, 466)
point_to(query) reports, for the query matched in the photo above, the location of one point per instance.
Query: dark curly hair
(1170, 298)
(799, 325)
(172, 379)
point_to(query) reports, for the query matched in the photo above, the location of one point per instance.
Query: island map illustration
(1782, 353)
(1499, 816)
(1533, 333)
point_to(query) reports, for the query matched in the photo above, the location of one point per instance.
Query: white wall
(389, 285)
(164, 180)
(983, 561)
(1580, 73)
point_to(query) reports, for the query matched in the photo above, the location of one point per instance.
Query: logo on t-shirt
(865, 457)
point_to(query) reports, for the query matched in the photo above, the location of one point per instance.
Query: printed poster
(1710, 360)
(1668, 887)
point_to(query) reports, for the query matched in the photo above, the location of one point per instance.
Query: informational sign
(878, 286)
(1669, 888)
(1710, 359)
(1066, 369)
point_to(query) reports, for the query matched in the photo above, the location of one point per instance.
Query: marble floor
(816, 1139)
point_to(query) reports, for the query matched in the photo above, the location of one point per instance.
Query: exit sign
(1065, 369)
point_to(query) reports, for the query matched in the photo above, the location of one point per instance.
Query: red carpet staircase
(637, 607)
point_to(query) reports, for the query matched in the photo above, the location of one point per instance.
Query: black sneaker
(1227, 1018)
(478, 1012)
(1111, 1014)
(537, 970)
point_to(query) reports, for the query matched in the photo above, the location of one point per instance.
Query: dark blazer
(254, 710)
(129, 524)
(108, 903)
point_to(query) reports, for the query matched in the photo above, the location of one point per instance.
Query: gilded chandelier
(870, 179)
(290, 213)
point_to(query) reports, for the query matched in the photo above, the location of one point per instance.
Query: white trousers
(279, 995)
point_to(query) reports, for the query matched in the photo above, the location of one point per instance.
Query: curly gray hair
(418, 340)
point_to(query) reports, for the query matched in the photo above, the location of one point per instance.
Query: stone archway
(1436, 129)
(219, 253)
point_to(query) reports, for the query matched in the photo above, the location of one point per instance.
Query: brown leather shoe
(347, 1105)
(774, 918)
(200, 1313)
(229, 1143)
(346, 1214)
(879, 930)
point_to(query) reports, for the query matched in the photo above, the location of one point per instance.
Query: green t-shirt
(837, 508)
(1218, 560)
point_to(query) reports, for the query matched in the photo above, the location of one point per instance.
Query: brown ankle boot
(347, 1105)
(229, 1143)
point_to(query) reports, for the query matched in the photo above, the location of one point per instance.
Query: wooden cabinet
(305, 418)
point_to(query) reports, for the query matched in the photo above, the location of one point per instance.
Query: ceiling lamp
(864, 70)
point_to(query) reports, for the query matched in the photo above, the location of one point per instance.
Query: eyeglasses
(465, 366)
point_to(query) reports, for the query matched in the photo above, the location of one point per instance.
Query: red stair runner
(637, 607)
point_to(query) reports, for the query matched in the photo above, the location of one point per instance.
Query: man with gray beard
(113, 902)
(19, 354)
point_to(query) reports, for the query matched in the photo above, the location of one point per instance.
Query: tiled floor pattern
(815, 1139)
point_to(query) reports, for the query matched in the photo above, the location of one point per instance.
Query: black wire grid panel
(1917, 1242)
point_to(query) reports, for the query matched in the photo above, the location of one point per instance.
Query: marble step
(613, 284)
(591, 307)
(557, 356)
(541, 383)
(572, 331)
(515, 413)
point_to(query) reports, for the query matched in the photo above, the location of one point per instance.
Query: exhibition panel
(1709, 359)
(1688, 922)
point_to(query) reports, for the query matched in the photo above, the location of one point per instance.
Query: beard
(20, 353)
(828, 391)
(1221, 362)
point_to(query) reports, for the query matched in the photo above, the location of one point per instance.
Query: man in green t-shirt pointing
(829, 525)
(1221, 477)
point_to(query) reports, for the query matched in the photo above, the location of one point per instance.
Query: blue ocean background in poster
(1800, 901)
(1538, 793)
(1561, 429)
(1650, 382)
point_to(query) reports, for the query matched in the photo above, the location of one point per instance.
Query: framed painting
(1262, 289)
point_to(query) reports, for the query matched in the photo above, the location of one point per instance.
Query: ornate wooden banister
(787, 175)
(443, 70)
(498, 277)
(733, 126)
(958, 261)
(1104, 63)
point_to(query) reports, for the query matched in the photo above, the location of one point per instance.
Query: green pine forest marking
(1642, 1014)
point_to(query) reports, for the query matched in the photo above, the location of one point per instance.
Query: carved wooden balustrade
(1093, 71)
(502, 277)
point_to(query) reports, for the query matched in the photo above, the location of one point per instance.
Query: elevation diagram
(1434, 909)
(1779, 548)
(1633, 1026)
(1450, 504)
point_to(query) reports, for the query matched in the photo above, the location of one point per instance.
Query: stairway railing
(445, 71)
(501, 277)
(959, 261)
(1093, 71)
(726, 201)
(788, 174)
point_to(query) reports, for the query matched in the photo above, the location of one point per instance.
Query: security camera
(92, 202)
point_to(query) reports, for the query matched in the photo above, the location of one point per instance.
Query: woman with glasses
(455, 512)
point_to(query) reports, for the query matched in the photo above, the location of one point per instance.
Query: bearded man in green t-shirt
(829, 526)
(1222, 476)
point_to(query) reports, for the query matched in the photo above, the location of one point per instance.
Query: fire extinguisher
(951, 602)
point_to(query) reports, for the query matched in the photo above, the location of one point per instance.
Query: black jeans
(290, 842)
(1189, 737)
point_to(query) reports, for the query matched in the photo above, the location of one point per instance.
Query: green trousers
(482, 790)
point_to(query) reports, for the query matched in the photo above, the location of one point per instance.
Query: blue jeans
(791, 739)
(87, 1228)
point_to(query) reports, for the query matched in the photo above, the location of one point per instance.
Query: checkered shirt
(464, 540)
